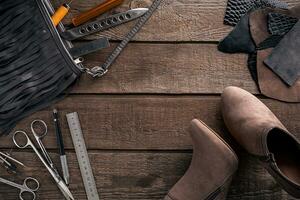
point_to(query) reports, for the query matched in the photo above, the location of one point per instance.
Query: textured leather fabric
(238, 8)
(285, 59)
(258, 25)
(213, 164)
(34, 71)
(280, 24)
(259, 20)
(239, 39)
(269, 84)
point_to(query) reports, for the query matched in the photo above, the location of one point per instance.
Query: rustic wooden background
(135, 118)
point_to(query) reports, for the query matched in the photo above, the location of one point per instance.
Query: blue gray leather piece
(285, 59)
(238, 8)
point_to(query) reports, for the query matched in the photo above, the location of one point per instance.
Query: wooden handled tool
(94, 12)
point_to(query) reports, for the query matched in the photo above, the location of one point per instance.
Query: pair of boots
(255, 128)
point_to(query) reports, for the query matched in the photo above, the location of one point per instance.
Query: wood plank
(143, 176)
(144, 122)
(176, 20)
(169, 69)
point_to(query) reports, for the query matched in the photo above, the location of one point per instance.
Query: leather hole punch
(109, 22)
(121, 17)
(82, 31)
(96, 26)
(128, 16)
(115, 20)
(89, 28)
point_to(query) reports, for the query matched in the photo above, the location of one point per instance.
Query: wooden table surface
(135, 118)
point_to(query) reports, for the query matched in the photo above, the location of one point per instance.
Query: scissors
(28, 143)
(39, 135)
(26, 188)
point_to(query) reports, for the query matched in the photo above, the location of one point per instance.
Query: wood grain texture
(175, 20)
(168, 69)
(139, 176)
(144, 122)
(138, 144)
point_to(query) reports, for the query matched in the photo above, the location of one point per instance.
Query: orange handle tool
(60, 14)
(94, 12)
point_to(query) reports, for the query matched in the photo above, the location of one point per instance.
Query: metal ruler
(99, 71)
(82, 156)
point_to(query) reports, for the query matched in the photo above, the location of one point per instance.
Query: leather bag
(36, 67)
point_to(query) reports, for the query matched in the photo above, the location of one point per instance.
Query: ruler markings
(82, 156)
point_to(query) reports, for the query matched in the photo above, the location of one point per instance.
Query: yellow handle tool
(61, 12)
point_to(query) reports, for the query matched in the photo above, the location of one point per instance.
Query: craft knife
(103, 24)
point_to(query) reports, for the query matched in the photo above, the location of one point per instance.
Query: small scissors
(30, 186)
(28, 143)
(39, 135)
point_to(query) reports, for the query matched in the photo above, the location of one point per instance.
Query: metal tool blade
(65, 190)
(89, 47)
(103, 24)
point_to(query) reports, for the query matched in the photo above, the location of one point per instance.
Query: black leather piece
(270, 42)
(238, 8)
(35, 70)
(239, 39)
(280, 24)
(252, 63)
(285, 59)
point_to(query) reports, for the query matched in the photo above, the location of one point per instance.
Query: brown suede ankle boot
(259, 131)
(211, 169)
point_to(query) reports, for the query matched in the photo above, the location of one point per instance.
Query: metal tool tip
(140, 9)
